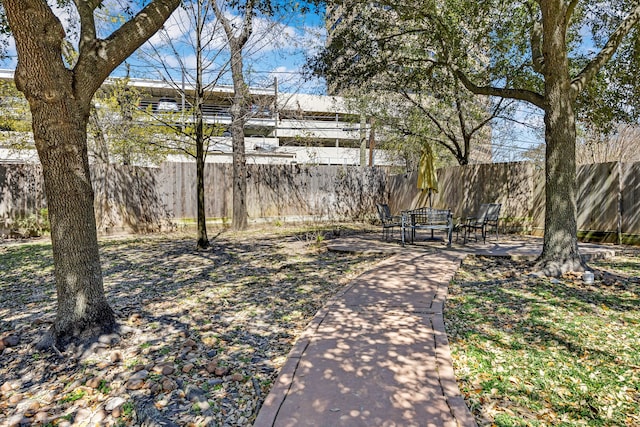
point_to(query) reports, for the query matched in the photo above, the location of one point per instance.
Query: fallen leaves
(533, 351)
(208, 330)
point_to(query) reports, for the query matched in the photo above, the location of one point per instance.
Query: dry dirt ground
(204, 333)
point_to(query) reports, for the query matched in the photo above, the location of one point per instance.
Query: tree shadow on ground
(238, 306)
(518, 326)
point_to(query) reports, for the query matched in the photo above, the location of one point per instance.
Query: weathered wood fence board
(274, 191)
(630, 197)
(518, 186)
(608, 195)
(146, 199)
(598, 197)
(21, 193)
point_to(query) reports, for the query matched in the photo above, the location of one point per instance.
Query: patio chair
(487, 216)
(388, 221)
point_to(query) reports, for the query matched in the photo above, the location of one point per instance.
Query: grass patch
(72, 397)
(531, 351)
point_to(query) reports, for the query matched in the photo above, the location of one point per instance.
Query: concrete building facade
(282, 128)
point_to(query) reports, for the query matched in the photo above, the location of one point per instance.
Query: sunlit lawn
(532, 351)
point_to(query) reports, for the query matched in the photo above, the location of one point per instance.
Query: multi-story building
(282, 128)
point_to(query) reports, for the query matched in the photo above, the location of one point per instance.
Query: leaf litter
(532, 351)
(206, 332)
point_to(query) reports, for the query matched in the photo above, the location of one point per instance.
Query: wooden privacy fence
(518, 186)
(21, 195)
(147, 199)
(608, 196)
(275, 191)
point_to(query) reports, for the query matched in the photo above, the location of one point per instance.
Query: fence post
(619, 210)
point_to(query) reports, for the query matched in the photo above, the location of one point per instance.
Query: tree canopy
(553, 54)
(369, 50)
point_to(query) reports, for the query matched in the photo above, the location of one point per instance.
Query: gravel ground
(204, 333)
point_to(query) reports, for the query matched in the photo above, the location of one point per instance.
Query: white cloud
(175, 28)
(270, 36)
(275, 48)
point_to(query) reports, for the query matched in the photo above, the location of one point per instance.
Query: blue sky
(275, 50)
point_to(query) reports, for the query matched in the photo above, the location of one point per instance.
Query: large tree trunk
(60, 133)
(238, 118)
(82, 307)
(60, 101)
(560, 249)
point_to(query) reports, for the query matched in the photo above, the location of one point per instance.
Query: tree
(15, 111)
(59, 98)
(237, 39)
(386, 67)
(458, 122)
(237, 20)
(532, 51)
(398, 128)
(554, 86)
(197, 37)
(120, 131)
(15, 118)
(454, 122)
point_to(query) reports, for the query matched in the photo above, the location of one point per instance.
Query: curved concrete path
(377, 353)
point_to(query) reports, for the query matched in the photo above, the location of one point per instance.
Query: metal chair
(388, 221)
(487, 216)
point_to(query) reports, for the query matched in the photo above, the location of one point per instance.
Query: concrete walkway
(377, 353)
